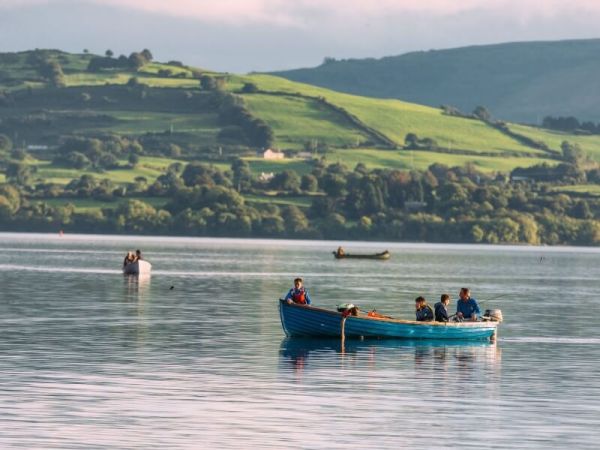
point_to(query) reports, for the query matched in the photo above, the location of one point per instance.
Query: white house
(273, 154)
(266, 176)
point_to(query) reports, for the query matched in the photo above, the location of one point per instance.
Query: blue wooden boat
(309, 321)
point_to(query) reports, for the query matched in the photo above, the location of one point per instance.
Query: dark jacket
(441, 312)
(425, 314)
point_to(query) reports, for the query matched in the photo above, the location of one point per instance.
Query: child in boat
(129, 258)
(298, 294)
(441, 309)
(423, 310)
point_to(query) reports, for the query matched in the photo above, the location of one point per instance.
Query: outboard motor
(348, 309)
(495, 315)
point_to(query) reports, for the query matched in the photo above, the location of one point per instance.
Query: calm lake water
(91, 359)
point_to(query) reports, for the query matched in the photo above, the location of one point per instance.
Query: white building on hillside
(273, 154)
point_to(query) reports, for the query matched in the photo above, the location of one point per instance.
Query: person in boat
(441, 309)
(466, 306)
(298, 294)
(423, 310)
(340, 251)
(129, 258)
(138, 255)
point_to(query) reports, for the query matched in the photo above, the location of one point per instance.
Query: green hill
(175, 111)
(126, 144)
(522, 81)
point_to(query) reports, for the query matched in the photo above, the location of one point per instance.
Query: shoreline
(78, 237)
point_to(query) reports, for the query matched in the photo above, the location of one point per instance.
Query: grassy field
(590, 144)
(258, 165)
(83, 205)
(302, 201)
(148, 167)
(395, 119)
(202, 126)
(420, 160)
(296, 121)
(591, 189)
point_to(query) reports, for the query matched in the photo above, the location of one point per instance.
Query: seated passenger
(298, 294)
(441, 309)
(423, 310)
(467, 307)
(138, 255)
(129, 258)
(340, 251)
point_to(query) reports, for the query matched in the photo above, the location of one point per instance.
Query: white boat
(140, 267)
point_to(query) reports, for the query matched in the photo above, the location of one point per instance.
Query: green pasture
(148, 167)
(554, 139)
(258, 165)
(97, 79)
(86, 204)
(203, 126)
(590, 189)
(296, 121)
(300, 201)
(420, 160)
(396, 119)
(102, 78)
(154, 67)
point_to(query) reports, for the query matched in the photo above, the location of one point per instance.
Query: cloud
(305, 13)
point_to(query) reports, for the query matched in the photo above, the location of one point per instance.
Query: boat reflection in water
(136, 286)
(307, 354)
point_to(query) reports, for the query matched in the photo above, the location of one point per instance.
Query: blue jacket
(294, 291)
(467, 308)
(425, 314)
(441, 312)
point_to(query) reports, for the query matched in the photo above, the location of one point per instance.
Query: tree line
(440, 204)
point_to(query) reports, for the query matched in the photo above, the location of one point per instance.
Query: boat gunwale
(469, 324)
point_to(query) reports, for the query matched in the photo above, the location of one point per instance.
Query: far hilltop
(520, 81)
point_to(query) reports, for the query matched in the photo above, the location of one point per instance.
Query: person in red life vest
(298, 294)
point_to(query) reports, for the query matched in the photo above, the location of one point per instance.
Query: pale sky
(246, 35)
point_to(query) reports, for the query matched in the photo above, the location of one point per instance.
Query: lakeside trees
(441, 204)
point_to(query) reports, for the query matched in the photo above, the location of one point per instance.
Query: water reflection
(136, 286)
(300, 354)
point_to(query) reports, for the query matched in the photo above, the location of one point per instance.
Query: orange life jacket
(299, 296)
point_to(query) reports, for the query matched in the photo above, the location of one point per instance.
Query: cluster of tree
(134, 62)
(51, 70)
(570, 124)
(441, 204)
(93, 153)
(576, 168)
(412, 141)
(480, 113)
(241, 125)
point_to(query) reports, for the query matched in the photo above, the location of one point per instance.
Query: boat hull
(141, 267)
(384, 255)
(308, 321)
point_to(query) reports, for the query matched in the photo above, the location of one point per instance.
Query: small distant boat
(382, 255)
(309, 321)
(140, 267)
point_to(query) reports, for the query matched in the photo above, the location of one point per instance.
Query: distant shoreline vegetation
(441, 204)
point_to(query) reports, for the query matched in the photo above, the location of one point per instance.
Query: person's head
(465, 293)
(445, 299)
(138, 252)
(419, 302)
(298, 283)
